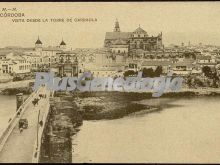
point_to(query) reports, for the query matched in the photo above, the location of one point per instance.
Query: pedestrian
(41, 123)
(21, 130)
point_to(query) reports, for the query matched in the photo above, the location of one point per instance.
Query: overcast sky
(179, 21)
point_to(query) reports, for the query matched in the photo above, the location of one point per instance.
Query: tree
(189, 81)
(158, 71)
(198, 82)
(129, 73)
(215, 79)
(148, 72)
(207, 71)
(189, 55)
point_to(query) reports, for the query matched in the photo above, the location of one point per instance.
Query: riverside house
(166, 65)
(206, 61)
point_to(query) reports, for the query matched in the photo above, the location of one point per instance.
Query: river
(186, 130)
(7, 109)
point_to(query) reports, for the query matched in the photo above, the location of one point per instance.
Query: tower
(62, 45)
(159, 41)
(38, 45)
(117, 28)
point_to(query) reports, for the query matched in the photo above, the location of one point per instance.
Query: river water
(7, 109)
(186, 130)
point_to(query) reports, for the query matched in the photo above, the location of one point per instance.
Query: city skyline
(195, 22)
(109, 82)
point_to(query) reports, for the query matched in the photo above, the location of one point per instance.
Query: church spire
(117, 28)
(62, 42)
(38, 42)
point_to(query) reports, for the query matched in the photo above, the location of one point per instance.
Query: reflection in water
(187, 130)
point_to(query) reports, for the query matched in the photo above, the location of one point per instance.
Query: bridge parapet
(37, 145)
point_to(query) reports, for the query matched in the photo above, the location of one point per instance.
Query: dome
(38, 42)
(62, 43)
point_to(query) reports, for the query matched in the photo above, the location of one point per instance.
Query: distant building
(62, 45)
(130, 42)
(106, 72)
(38, 45)
(206, 61)
(154, 64)
(66, 65)
(21, 65)
(6, 66)
(182, 67)
(14, 64)
(42, 57)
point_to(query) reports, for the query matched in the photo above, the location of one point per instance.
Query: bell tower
(117, 28)
(62, 45)
(38, 45)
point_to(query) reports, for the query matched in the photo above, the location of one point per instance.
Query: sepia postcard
(110, 82)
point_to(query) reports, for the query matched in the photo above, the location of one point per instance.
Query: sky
(178, 21)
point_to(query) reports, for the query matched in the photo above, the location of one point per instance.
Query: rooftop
(51, 48)
(156, 63)
(183, 63)
(120, 42)
(38, 41)
(139, 30)
(203, 57)
(62, 43)
(117, 35)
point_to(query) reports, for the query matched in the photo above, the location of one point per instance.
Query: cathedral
(134, 42)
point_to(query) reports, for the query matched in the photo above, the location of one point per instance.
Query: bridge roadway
(20, 146)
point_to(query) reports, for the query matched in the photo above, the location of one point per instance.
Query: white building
(14, 64)
(43, 57)
(21, 65)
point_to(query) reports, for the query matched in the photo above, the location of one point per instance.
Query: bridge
(24, 147)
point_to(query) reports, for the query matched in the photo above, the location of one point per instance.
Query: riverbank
(110, 105)
(25, 87)
(14, 91)
(12, 88)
